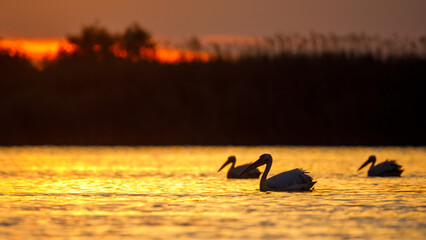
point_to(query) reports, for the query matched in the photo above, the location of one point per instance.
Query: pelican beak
(365, 164)
(224, 165)
(251, 167)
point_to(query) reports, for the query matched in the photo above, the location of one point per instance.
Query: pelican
(293, 180)
(384, 169)
(235, 172)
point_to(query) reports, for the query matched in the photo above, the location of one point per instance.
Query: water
(176, 192)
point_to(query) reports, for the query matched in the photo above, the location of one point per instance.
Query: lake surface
(176, 193)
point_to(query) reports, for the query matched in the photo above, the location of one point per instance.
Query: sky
(181, 18)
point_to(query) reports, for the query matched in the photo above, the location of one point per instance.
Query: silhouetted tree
(194, 44)
(135, 41)
(93, 41)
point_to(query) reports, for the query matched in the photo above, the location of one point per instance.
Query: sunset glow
(169, 55)
(36, 49)
(47, 49)
(119, 119)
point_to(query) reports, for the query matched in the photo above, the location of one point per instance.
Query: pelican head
(231, 159)
(372, 159)
(264, 159)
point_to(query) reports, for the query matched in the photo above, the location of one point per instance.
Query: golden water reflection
(176, 192)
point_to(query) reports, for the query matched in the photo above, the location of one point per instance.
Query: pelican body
(235, 172)
(388, 168)
(293, 180)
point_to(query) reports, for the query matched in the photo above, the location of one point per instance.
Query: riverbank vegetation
(315, 90)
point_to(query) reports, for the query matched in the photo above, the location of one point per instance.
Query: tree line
(111, 91)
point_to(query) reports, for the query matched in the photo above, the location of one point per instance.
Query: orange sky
(37, 28)
(171, 18)
(36, 49)
(41, 49)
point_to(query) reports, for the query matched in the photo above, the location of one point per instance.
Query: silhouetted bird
(384, 169)
(235, 172)
(293, 180)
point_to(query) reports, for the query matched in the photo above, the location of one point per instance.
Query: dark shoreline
(95, 98)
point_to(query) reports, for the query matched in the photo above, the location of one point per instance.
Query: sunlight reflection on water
(176, 192)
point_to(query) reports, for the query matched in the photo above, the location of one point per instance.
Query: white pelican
(293, 180)
(384, 169)
(235, 172)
